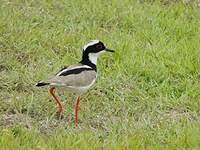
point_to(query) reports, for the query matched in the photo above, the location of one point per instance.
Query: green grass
(147, 95)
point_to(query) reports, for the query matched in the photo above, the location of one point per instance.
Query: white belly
(75, 89)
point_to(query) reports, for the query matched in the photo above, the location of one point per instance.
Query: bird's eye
(99, 46)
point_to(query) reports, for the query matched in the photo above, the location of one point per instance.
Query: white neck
(93, 57)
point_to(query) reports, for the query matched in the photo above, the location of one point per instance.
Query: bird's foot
(59, 115)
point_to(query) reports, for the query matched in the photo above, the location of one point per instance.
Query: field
(147, 94)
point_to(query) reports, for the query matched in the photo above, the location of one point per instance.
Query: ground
(147, 94)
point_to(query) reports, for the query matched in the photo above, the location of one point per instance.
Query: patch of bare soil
(11, 120)
(46, 126)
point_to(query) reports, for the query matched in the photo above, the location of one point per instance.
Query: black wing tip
(41, 84)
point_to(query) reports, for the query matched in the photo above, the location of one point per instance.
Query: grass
(147, 95)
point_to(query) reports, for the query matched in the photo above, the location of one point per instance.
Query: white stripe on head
(92, 42)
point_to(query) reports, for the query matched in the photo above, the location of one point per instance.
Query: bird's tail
(42, 83)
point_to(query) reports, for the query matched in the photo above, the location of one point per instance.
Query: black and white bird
(77, 78)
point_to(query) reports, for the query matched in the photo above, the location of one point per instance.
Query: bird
(76, 78)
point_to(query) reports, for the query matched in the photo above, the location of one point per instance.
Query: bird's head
(93, 49)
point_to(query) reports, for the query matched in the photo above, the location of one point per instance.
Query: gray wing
(81, 79)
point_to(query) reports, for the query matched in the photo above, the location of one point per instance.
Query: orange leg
(76, 111)
(58, 102)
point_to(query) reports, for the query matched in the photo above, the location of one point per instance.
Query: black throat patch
(86, 61)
